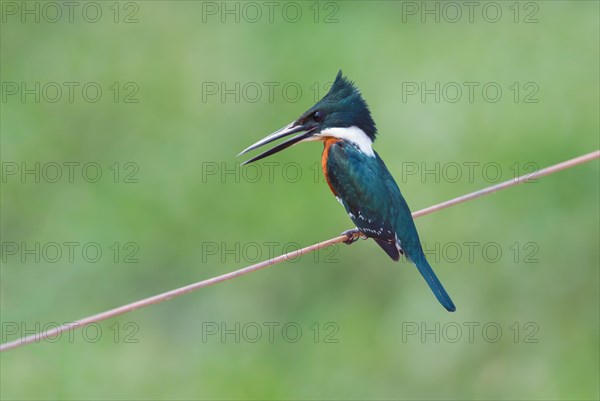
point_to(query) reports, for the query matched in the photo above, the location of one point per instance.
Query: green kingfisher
(357, 176)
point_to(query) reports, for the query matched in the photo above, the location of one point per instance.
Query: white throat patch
(352, 134)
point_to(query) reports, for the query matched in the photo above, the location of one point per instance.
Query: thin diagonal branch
(291, 255)
(506, 184)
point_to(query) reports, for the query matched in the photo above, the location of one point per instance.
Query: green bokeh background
(177, 214)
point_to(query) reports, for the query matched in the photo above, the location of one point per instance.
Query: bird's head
(342, 113)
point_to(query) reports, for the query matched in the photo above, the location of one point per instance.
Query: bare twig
(249, 269)
(506, 184)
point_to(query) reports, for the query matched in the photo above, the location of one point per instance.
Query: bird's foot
(353, 235)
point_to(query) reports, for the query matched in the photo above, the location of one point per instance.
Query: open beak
(292, 128)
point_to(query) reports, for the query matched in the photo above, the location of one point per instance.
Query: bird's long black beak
(292, 128)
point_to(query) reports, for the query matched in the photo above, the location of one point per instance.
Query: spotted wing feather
(374, 202)
(362, 184)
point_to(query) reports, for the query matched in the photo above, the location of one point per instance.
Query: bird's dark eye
(318, 116)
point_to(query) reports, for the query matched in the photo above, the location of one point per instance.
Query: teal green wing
(362, 185)
(373, 200)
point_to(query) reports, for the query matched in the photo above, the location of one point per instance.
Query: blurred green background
(185, 87)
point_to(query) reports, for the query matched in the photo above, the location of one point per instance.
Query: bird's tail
(433, 282)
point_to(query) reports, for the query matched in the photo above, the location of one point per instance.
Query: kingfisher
(357, 176)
